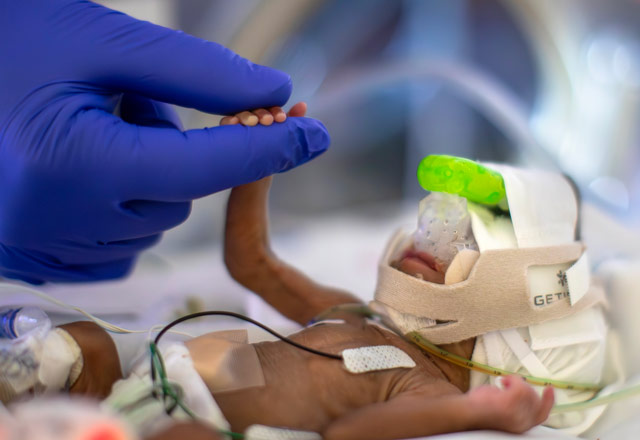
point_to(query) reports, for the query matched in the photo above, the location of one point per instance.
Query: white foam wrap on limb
(60, 353)
(147, 415)
(198, 398)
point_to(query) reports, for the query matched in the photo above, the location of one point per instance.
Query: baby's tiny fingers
(229, 120)
(248, 118)
(298, 110)
(548, 400)
(278, 114)
(264, 116)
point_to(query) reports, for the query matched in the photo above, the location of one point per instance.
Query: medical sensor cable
(355, 309)
(170, 391)
(249, 320)
(112, 328)
(433, 349)
(460, 361)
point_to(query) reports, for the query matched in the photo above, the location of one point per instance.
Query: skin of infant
(313, 393)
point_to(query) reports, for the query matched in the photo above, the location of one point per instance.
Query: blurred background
(536, 82)
(550, 83)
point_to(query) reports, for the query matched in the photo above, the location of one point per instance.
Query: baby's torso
(307, 391)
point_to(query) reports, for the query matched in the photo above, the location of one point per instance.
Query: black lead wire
(243, 318)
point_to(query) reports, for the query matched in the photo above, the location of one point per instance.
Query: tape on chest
(376, 358)
(226, 361)
(261, 432)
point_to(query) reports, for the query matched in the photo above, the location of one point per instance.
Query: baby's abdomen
(306, 391)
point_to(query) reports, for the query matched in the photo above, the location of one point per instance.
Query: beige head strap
(495, 296)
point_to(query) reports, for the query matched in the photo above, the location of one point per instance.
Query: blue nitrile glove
(82, 191)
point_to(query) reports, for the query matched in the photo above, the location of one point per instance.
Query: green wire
(467, 363)
(168, 390)
(426, 345)
(158, 367)
(597, 401)
(493, 371)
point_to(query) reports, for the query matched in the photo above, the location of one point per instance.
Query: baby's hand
(260, 115)
(246, 244)
(516, 408)
(264, 116)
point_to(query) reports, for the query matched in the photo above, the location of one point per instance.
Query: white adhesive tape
(379, 357)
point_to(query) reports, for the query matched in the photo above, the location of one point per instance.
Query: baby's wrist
(479, 415)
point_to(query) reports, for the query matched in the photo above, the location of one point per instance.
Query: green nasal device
(464, 177)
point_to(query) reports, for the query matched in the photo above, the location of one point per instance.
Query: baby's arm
(249, 257)
(414, 413)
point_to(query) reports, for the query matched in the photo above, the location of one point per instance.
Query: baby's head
(513, 276)
(466, 260)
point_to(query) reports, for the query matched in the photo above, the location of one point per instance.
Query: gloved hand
(82, 191)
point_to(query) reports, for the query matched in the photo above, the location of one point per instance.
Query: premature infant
(308, 392)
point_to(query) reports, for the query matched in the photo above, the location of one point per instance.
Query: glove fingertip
(314, 136)
(282, 93)
(311, 139)
(275, 90)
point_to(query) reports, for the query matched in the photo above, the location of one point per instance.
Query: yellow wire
(433, 349)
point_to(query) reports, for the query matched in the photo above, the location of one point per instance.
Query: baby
(287, 387)
(385, 387)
